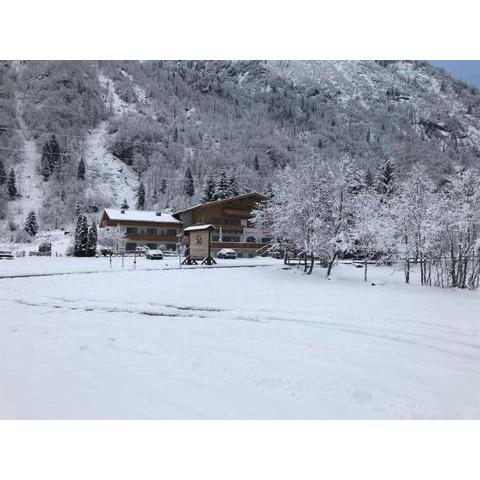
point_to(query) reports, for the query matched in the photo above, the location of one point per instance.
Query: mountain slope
(153, 120)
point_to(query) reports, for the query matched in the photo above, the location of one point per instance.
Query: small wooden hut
(199, 240)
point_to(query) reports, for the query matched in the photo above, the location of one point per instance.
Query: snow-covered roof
(260, 196)
(199, 227)
(140, 216)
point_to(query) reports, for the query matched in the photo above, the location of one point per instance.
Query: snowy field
(69, 265)
(239, 343)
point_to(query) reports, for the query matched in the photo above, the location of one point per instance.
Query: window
(131, 230)
(130, 246)
(251, 239)
(266, 240)
(152, 246)
(151, 231)
(171, 232)
(228, 238)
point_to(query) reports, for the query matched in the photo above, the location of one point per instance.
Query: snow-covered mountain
(148, 122)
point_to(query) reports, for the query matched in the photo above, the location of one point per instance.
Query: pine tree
(385, 178)
(163, 186)
(81, 170)
(12, 185)
(209, 188)
(92, 241)
(269, 193)
(124, 205)
(221, 186)
(188, 184)
(368, 178)
(81, 237)
(31, 225)
(233, 187)
(256, 164)
(51, 158)
(44, 163)
(3, 174)
(141, 196)
(54, 160)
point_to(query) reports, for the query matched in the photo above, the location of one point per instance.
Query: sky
(466, 70)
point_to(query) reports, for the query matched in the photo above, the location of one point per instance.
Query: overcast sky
(467, 70)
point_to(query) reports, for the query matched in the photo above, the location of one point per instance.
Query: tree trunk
(330, 264)
(365, 275)
(407, 270)
(312, 262)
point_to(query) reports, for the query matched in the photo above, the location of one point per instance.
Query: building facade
(142, 228)
(232, 218)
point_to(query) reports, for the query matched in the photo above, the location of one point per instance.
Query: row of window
(226, 221)
(229, 238)
(169, 232)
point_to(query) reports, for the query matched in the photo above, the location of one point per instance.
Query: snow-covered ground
(236, 343)
(109, 177)
(25, 266)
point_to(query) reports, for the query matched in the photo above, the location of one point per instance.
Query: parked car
(106, 251)
(154, 255)
(142, 250)
(228, 253)
(6, 255)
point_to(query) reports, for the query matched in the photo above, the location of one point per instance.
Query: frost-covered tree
(12, 185)
(455, 242)
(80, 245)
(209, 188)
(256, 163)
(163, 186)
(313, 208)
(233, 187)
(31, 225)
(3, 174)
(51, 157)
(113, 237)
(221, 186)
(385, 178)
(81, 169)
(91, 249)
(374, 228)
(124, 205)
(411, 208)
(296, 214)
(141, 196)
(188, 184)
(45, 164)
(368, 178)
(3, 203)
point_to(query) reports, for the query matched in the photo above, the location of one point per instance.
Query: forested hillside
(85, 135)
